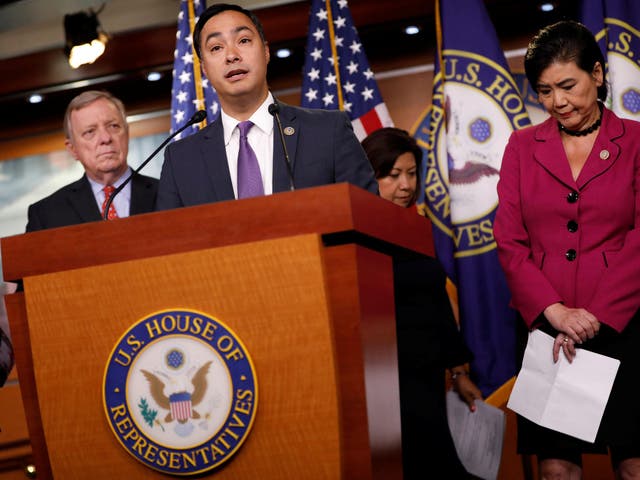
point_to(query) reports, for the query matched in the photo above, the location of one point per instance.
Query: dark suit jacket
(75, 203)
(428, 343)
(323, 150)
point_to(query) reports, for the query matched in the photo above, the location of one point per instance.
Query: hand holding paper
(478, 436)
(566, 397)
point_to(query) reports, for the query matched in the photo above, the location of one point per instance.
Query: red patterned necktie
(108, 191)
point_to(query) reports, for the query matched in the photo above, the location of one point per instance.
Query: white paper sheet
(478, 436)
(566, 397)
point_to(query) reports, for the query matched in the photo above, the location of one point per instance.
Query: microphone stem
(286, 153)
(137, 170)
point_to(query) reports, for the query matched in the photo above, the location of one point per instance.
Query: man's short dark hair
(214, 10)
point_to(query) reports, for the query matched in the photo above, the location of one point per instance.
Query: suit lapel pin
(289, 130)
(604, 154)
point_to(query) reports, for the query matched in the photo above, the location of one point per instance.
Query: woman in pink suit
(568, 235)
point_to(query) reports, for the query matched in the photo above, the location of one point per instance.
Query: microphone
(197, 117)
(274, 109)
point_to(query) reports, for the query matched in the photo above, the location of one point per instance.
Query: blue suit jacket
(323, 150)
(75, 203)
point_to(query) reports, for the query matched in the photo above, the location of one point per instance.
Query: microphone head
(199, 116)
(274, 108)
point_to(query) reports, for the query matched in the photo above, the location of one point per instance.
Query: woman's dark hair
(385, 145)
(565, 41)
(214, 10)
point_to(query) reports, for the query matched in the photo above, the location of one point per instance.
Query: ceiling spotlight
(35, 98)
(85, 39)
(283, 53)
(547, 6)
(412, 30)
(154, 76)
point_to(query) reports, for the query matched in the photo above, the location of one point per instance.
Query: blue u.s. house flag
(475, 107)
(336, 71)
(616, 26)
(190, 91)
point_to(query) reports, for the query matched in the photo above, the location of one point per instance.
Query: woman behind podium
(428, 339)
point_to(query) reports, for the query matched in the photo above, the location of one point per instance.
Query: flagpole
(197, 74)
(334, 53)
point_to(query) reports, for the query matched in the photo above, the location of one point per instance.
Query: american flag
(191, 90)
(336, 71)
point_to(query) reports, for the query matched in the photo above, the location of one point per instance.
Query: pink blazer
(576, 242)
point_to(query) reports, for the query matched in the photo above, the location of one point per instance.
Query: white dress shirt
(261, 140)
(122, 201)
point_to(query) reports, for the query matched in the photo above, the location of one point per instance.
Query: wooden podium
(304, 278)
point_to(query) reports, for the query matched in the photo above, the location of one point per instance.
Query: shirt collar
(97, 187)
(261, 118)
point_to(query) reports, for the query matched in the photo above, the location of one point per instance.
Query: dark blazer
(322, 148)
(75, 203)
(428, 343)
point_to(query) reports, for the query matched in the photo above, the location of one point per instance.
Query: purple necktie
(249, 178)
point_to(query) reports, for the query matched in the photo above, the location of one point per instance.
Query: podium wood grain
(331, 209)
(358, 235)
(273, 296)
(16, 311)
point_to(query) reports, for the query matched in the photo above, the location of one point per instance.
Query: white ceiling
(28, 26)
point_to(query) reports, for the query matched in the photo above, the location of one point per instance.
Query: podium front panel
(272, 294)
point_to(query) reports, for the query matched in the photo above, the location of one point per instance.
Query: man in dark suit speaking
(97, 135)
(241, 154)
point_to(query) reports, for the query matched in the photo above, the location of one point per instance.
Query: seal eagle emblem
(180, 403)
(180, 392)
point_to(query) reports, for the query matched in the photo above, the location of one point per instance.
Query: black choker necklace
(581, 133)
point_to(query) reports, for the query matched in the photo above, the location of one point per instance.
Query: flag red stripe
(371, 121)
